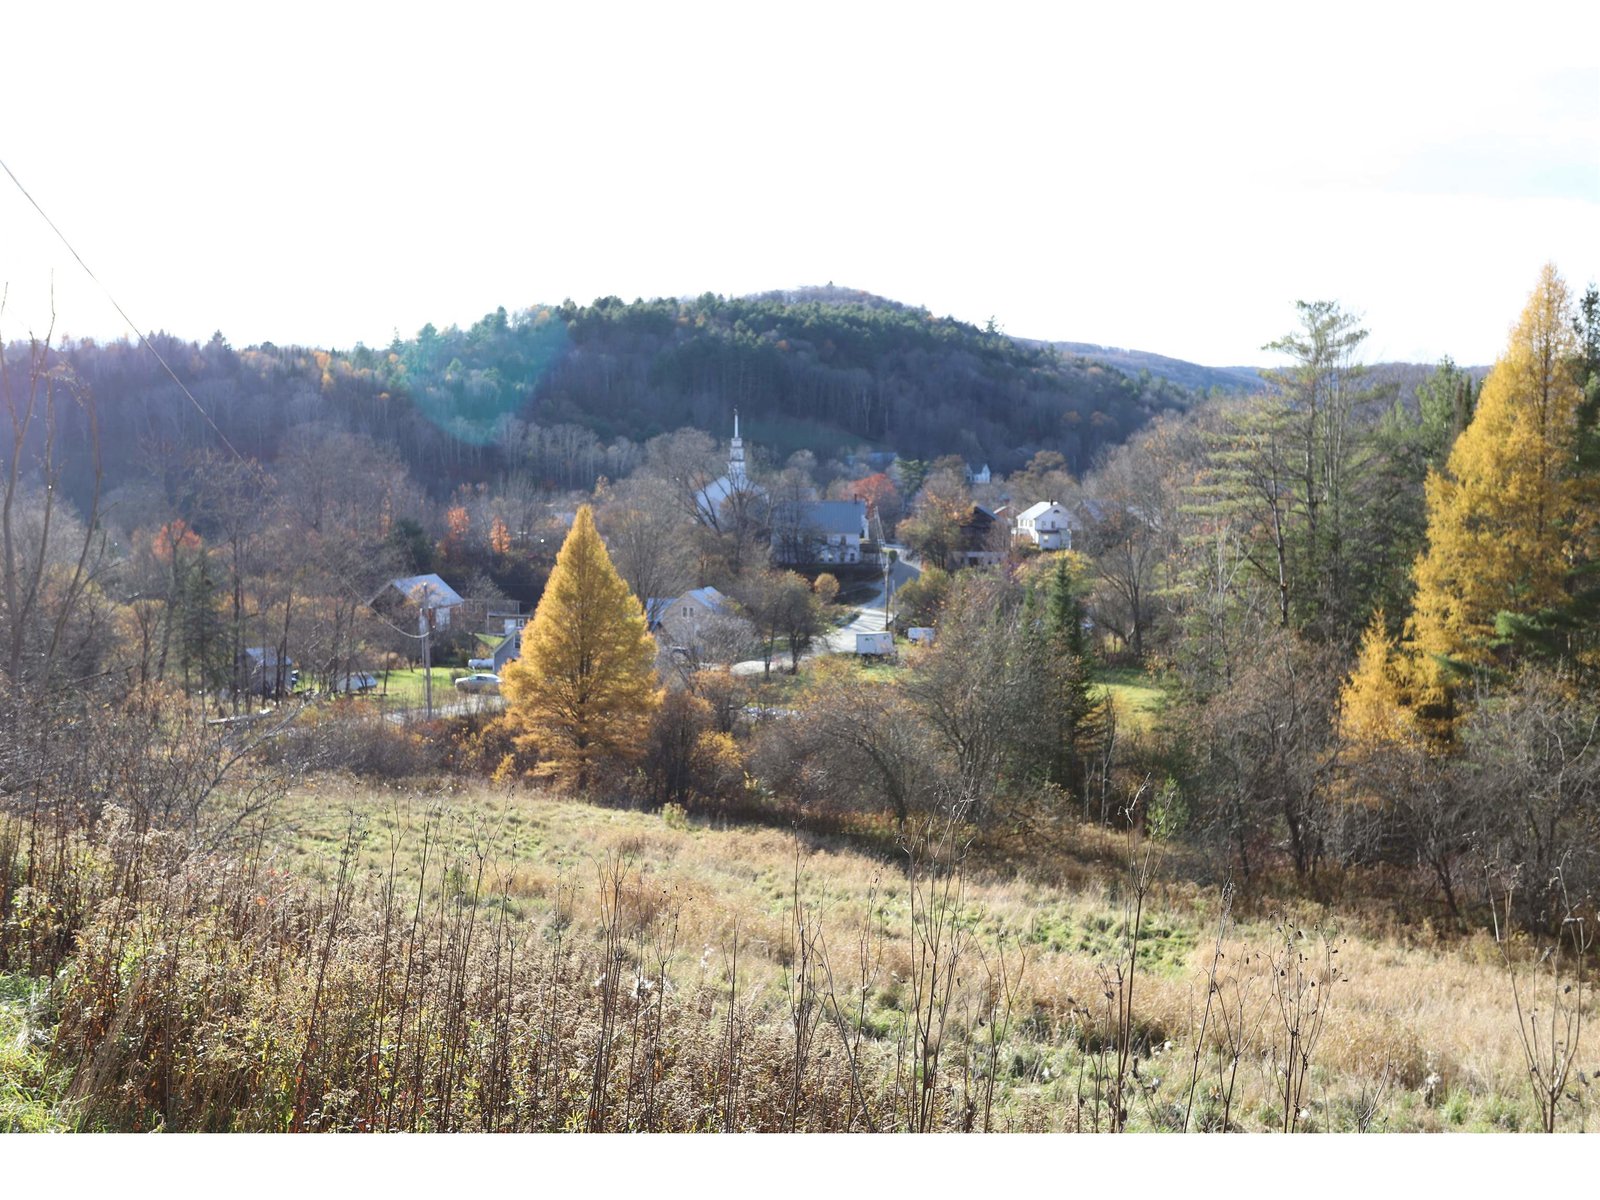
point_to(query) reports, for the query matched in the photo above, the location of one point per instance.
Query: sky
(1169, 179)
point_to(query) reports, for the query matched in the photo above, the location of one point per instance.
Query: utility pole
(889, 559)
(425, 618)
(423, 596)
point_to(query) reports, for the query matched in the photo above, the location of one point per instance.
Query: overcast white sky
(1166, 179)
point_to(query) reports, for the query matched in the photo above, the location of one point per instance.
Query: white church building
(735, 484)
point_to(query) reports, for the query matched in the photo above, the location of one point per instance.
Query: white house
(680, 621)
(818, 531)
(1047, 525)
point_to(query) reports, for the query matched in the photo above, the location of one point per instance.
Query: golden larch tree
(1504, 515)
(1374, 705)
(585, 687)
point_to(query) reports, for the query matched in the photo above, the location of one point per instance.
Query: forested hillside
(1174, 370)
(571, 388)
(817, 369)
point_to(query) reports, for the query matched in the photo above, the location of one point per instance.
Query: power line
(126, 319)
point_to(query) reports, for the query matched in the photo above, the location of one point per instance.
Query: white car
(355, 681)
(482, 681)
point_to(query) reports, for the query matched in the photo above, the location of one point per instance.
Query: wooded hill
(578, 388)
(824, 369)
(1174, 370)
(819, 369)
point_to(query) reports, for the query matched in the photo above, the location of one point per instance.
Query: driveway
(867, 617)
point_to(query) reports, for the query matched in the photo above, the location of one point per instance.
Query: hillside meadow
(1419, 1033)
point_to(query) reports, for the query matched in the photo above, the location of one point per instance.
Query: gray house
(818, 531)
(263, 672)
(420, 594)
(679, 620)
(508, 651)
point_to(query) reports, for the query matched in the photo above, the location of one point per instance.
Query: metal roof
(429, 588)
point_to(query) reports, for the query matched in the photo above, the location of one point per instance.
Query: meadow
(1419, 1028)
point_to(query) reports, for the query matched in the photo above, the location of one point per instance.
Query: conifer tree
(1054, 612)
(1507, 518)
(1373, 707)
(585, 687)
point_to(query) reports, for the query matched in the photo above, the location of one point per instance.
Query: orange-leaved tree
(585, 687)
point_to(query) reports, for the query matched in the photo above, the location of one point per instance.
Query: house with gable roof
(421, 594)
(682, 620)
(807, 532)
(1047, 525)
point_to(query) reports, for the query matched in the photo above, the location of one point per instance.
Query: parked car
(481, 681)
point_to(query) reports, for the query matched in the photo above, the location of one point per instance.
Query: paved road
(451, 705)
(868, 617)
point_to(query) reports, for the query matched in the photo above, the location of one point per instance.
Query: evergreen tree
(1070, 710)
(1445, 401)
(201, 640)
(585, 687)
(1320, 398)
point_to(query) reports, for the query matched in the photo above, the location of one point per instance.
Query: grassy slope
(1426, 1026)
(1139, 698)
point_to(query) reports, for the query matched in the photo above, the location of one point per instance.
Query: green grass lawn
(405, 688)
(1139, 698)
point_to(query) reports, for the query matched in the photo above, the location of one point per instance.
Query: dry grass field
(1410, 1031)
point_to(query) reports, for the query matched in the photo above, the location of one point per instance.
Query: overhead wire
(222, 437)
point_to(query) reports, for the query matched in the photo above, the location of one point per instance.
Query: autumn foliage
(1501, 516)
(1507, 520)
(1375, 705)
(173, 538)
(876, 491)
(585, 687)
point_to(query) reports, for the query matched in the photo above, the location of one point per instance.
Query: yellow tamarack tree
(585, 687)
(1504, 515)
(1374, 706)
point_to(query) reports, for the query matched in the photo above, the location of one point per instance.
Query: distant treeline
(259, 401)
(825, 370)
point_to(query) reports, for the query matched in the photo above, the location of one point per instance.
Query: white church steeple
(736, 475)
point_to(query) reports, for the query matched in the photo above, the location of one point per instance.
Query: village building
(683, 620)
(730, 488)
(503, 655)
(1047, 525)
(264, 672)
(828, 532)
(982, 539)
(421, 594)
